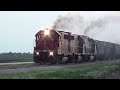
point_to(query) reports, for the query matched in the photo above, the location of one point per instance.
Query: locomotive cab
(47, 42)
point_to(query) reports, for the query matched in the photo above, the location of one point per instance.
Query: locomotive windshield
(40, 35)
(47, 39)
(45, 33)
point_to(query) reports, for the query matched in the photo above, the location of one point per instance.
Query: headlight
(46, 32)
(51, 53)
(37, 53)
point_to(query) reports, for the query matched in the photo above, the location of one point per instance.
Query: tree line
(16, 55)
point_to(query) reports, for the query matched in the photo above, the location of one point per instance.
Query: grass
(24, 60)
(14, 66)
(90, 71)
(17, 60)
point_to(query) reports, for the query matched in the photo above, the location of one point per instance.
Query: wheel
(76, 58)
(88, 58)
(60, 60)
(83, 58)
(70, 59)
(40, 63)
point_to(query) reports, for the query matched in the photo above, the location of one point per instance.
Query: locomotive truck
(53, 46)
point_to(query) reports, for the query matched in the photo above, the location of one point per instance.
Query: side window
(36, 38)
(41, 36)
(72, 37)
(65, 36)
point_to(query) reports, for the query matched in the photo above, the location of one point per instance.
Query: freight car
(54, 46)
(107, 50)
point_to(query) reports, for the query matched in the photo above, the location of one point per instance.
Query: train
(55, 46)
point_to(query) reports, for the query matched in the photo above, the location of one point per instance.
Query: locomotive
(53, 46)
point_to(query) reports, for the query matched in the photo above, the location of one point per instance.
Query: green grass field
(24, 60)
(90, 71)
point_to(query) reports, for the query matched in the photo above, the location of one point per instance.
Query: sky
(18, 28)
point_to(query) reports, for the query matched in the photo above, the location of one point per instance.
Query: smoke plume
(76, 24)
(99, 23)
(69, 23)
(100, 29)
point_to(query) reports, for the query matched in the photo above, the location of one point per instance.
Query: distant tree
(16, 55)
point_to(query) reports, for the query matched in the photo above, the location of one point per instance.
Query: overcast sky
(17, 28)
